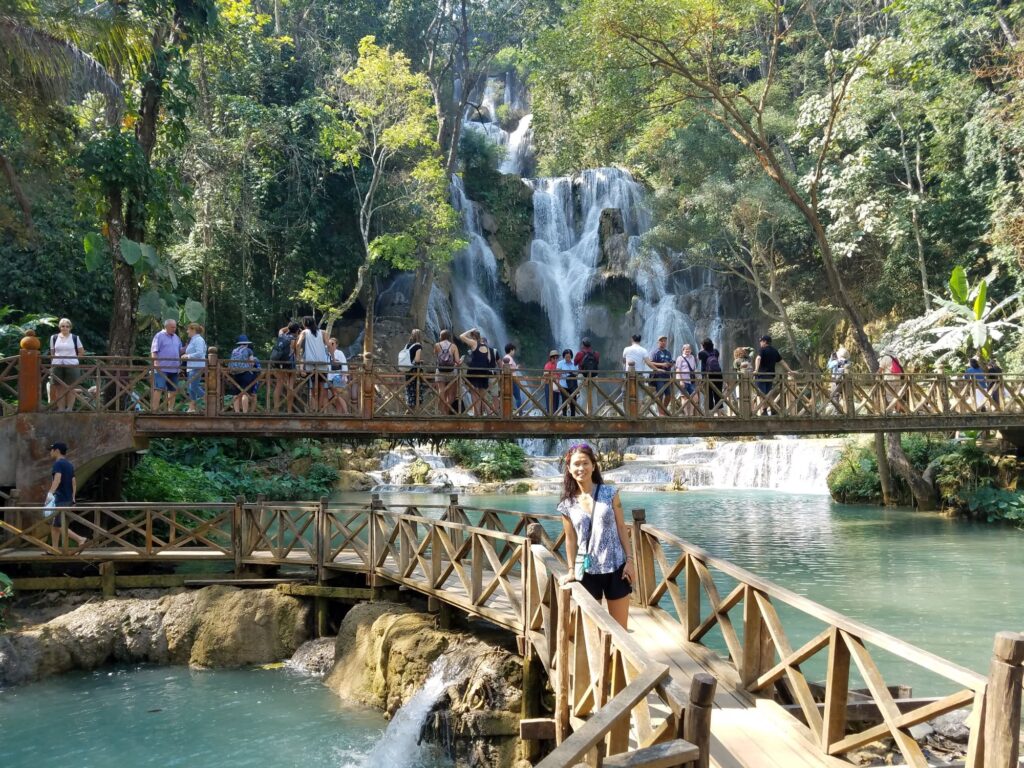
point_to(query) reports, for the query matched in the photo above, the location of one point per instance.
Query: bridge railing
(126, 384)
(764, 659)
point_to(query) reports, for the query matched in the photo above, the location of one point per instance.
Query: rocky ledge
(210, 627)
(385, 651)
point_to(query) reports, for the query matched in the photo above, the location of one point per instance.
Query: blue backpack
(241, 358)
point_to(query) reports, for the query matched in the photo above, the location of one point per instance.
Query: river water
(162, 717)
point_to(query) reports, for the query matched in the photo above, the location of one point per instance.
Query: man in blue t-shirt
(63, 489)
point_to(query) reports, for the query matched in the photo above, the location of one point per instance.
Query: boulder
(314, 657)
(353, 480)
(529, 282)
(214, 626)
(952, 726)
(488, 223)
(613, 242)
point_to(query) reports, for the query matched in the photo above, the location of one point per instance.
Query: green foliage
(995, 504)
(962, 471)
(854, 478)
(6, 596)
(219, 470)
(12, 331)
(497, 461)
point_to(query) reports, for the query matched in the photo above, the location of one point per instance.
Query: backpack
(445, 356)
(713, 365)
(588, 363)
(896, 367)
(404, 358)
(241, 358)
(53, 341)
(282, 351)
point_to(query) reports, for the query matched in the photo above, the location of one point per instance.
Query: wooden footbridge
(111, 408)
(660, 694)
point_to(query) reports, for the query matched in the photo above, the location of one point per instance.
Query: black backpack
(588, 363)
(282, 351)
(713, 366)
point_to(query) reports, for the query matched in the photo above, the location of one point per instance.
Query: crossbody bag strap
(590, 533)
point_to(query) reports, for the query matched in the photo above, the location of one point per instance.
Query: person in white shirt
(337, 378)
(65, 349)
(636, 355)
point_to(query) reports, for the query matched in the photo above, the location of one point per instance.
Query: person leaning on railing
(65, 349)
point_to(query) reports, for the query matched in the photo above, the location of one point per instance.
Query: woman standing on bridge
(595, 528)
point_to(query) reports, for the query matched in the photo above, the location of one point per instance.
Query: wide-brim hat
(554, 353)
(243, 339)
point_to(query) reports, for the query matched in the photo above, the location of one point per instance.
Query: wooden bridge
(383, 401)
(656, 695)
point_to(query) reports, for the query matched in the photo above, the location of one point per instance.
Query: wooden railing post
(1001, 746)
(944, 394)
(505, 388)
(746, 388)
(238, 533)
(697, 720)
(377, 545)
(562, 665)
(212, 376)
(643, 560)
(848, 397)
(30, 385)
(837, 690)
(322, 545)
(367, 390)
(757, 647)
(630, 395)
(692, 581)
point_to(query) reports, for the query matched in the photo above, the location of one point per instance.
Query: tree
(383, 134)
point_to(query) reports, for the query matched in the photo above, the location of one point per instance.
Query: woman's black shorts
(609, 585)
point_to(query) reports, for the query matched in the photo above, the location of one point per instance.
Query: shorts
(479, 382)
(608, 585)
(166, 381)
(55, 518)
(65, 374)
(689, 387)
(661, 383)
(242, 383)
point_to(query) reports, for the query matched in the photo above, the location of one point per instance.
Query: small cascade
(793, 465)
(400, 747)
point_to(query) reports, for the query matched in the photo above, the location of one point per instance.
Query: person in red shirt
(554, 395)
(588, 360)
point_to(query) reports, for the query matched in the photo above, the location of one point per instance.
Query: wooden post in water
(29, 375)
(643, 560)
(884, 474)
(697, 721)
(108, 579)
(213, 396)
(1003, 701)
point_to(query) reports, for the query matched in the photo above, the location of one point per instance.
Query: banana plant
(966, 322)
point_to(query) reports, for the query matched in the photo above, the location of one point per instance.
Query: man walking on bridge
(63, 490)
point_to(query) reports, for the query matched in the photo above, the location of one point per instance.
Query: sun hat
(243, 339)
(553, 353)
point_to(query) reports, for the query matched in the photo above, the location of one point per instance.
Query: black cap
(62, 447)
(766, 339)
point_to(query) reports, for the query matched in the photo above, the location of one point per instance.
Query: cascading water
(475, 275)
(399, 746)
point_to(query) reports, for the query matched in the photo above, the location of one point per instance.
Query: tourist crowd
(307, 370)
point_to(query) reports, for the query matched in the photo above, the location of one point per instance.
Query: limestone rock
(529, 282)
(953, 726)
(385, 652)
(488, 223)
(613, 242)
(353, 480)
(214, 626)
(314, 657)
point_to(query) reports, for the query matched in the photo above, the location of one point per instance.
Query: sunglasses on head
(580, 447)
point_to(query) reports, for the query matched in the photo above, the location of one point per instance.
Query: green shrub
(962, 470)
(995, 504)
(504, 461)
(157, 480)
(854, 478)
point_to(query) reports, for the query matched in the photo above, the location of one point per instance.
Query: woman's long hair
(570, 490)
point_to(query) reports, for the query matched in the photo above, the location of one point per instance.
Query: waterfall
(399, 746)
(475, 297)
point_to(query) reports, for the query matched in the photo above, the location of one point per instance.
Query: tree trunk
(17, 191)
(422, 283)
(884, 475)
(924, 493)
(125, 299)
(371, 299)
